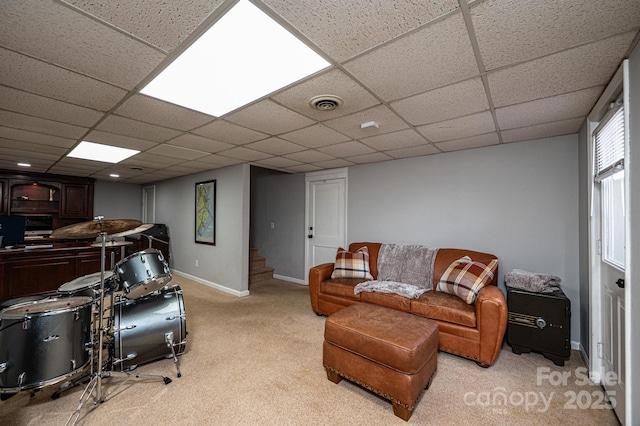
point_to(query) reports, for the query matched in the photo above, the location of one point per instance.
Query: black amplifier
(158, 230)
(540, 322)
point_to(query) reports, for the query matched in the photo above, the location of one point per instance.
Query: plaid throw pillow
(465, 278)
(352, 265)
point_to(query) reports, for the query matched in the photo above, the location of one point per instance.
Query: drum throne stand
(94, 387)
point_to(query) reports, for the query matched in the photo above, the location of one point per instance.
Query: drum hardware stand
(168, 337)
(95, 384)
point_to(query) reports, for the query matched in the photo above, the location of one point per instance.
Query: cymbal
(137, 230)
(113, 244)
(94, 228)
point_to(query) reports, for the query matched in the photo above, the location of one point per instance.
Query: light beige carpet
(258, 361)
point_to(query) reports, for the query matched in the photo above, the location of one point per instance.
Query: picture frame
(205, 212)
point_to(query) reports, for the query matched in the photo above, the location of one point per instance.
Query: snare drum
(143, 327)
(89, 285)
(43, 342)
(143, 273)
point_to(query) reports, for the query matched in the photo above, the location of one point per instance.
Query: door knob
(620, 282)
(310, 235)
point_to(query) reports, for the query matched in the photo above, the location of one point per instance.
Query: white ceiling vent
(325, 102)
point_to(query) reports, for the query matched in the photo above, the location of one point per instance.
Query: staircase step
(260, 274)
(257, 262)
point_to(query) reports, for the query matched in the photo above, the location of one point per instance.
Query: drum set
(97, 326)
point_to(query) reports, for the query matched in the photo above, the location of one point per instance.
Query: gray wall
(257, 210)
(583, 251)
(518, 201)
(280, 199)
(225, 265)
(115, 200)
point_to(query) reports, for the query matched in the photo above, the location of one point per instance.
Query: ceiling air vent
(325, 102)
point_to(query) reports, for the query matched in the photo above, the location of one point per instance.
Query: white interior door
(149, 204)
(326, 216)
(613, 340)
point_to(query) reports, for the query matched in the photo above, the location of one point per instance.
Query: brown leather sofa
(472, 331)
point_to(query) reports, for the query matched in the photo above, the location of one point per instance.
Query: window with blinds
(609, 143)
(609, 173)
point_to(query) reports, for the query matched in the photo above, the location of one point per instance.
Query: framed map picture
(206, 212)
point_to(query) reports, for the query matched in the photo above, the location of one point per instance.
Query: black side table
(539, 322)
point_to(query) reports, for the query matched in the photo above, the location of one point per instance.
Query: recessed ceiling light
(24, 164)
(98, 152)
(245, 55)
(113, 175)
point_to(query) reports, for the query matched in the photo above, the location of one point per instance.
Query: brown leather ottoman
(389, 352)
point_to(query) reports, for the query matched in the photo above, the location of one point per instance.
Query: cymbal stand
(95, 384)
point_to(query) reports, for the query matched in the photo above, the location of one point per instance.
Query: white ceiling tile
(546, 130)
(200, 143)
(40, 125)
(48, 80)
(555, 108)
(137, 129)
(414, 151)
(163, 24)
(585, 66)
(370, 158)
(387, 120)
(354, 96)
(218, 160)
(278, 162)
(37, 166)
(165, 114)
(458, 128)
(51, 109)
(81, 165)
(441, 104)
(26, 136)
(334, 164)
(275, 146)
(56, 34)
(145, 159)
(435, 56)
(6, 144)
(309, 156)
(121, 141)
(246, 154)
(469, 143)
(369, 24)
(544, 27)
(304, 168)
(347, 149)
(269, 117)
(395, 140)
(315, 136)
(225, 131)
(177, 152)
(24, 156)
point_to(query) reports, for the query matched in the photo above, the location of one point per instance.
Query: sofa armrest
(317, 274)
(491, 317)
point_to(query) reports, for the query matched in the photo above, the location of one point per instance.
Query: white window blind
(609, 143)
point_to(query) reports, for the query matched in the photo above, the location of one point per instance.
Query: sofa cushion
(342, 287)
(465, 278)
(444, 307)
(352, 264)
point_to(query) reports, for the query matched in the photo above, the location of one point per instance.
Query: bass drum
(43, 342)
(143, 328)
(142, 273)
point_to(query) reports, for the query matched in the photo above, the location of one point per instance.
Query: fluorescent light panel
(98, 152)
(242, 57)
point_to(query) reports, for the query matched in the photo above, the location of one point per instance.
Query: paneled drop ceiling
(435, 75)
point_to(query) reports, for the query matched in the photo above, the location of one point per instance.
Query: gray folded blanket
(409, 291)
(532, 281)
(406, 270)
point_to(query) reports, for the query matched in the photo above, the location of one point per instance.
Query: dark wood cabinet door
(4, 184)
(36, 276)
(75, 201)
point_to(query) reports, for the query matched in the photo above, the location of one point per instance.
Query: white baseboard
(575, 345)
(212, 285)
(293, 280)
